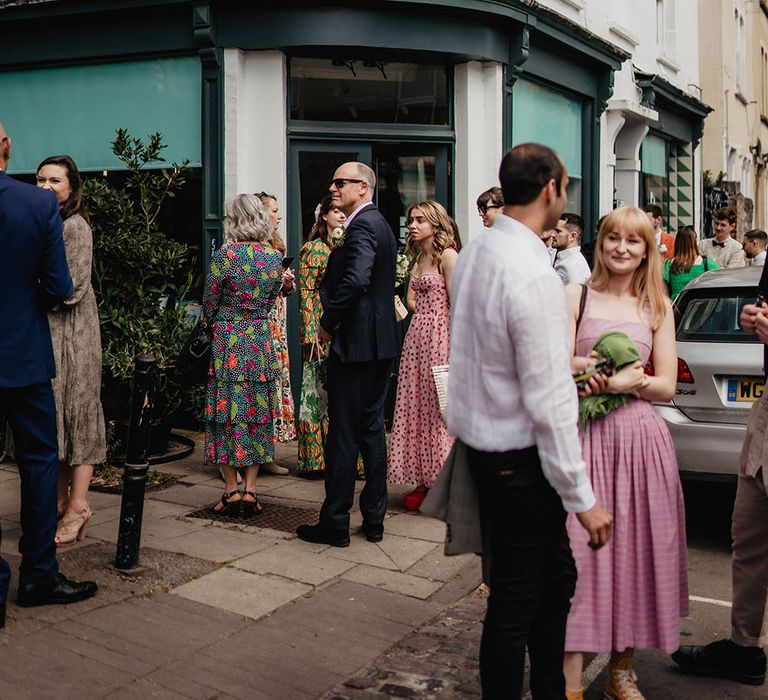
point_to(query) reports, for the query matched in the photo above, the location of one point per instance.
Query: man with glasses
(359, 322)
(489, 205)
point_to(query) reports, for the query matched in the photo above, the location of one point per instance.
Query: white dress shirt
(572, 266)
(759, 260)
(510, 384)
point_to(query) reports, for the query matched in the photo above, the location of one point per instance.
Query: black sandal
(230, 509)
(250, 509)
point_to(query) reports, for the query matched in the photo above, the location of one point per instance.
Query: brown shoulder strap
(582, 304)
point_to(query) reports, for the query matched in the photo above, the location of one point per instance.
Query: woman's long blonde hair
(436, 214)
(277, 241)
(647, 284)
(246, 219)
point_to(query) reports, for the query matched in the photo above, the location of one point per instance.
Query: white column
(479, 109)
(255, 123)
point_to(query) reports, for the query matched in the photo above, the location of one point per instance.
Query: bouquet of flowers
(402, 266)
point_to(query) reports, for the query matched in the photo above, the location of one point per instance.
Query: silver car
(720, 373)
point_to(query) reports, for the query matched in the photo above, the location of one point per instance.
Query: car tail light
(684, 375)
(648, 369)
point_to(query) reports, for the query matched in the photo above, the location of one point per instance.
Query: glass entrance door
(405, 173)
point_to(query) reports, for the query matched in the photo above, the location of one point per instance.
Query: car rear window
(712, 315)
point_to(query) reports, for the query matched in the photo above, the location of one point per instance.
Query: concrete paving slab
(99, 500)
(185, 685)
(154, 508)
(361, 551)
(300, 490)
(295, 563)
(238, 591)
(393, 581)
(214, 544)
(438, 567)
(193, 496)
(143, 688)
(171, 527)
(405, 552)
(416, 526)
(104, 514)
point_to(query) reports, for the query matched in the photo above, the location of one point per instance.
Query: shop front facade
(272, 97)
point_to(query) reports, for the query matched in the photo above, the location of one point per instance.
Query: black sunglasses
(339, 182)
(483, 208)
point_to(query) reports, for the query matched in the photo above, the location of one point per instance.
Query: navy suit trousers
(31, 414)
(356, 394)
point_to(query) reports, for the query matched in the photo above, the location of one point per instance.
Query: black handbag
(194, 359)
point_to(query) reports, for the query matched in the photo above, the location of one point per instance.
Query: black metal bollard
(136, 462)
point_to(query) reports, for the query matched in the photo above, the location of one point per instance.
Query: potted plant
(140, 275)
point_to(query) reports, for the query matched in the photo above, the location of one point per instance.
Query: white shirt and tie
(510, 384)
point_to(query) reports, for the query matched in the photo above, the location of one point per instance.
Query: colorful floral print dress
(285, 428)
(313, 423)
(242, 401)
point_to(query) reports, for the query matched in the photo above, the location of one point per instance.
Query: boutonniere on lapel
(662, 249)
(337, 236)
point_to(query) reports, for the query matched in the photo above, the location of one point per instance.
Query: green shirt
(678, 280)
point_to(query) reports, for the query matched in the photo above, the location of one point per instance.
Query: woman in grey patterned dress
(77, 348)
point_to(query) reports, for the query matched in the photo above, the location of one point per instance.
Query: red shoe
(414, 499)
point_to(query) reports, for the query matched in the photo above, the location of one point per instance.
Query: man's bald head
(5, 147)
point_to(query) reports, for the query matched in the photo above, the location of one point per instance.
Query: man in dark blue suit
(357, 294)
(33, 277)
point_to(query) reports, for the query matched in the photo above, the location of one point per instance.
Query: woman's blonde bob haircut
(246, 219)
(647, 284)
(435, 213)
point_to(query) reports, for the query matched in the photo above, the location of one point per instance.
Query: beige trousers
(749, 532)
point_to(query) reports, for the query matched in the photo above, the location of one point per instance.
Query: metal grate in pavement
(272, 515)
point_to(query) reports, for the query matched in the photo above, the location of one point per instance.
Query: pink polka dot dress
(420, 441)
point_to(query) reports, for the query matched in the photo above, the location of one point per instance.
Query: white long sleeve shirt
(510, 384)
(572, 266)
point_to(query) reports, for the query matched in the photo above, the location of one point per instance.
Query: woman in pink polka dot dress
(420, 441)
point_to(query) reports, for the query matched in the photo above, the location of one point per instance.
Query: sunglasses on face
(339, 182)
(483, 208)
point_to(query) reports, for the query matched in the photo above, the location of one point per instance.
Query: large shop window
(541, 115)
(76, 109)
(368, 91)
(654, 157)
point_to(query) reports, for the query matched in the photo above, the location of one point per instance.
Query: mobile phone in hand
(760, 302)
(287, 262)
(582, 377)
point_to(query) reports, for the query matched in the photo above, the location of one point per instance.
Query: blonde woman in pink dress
(420, 441)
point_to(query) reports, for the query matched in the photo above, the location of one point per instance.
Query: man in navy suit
(357, 294)
(33, 277)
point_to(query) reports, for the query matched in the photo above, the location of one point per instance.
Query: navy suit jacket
(33, 277)
(358, 291)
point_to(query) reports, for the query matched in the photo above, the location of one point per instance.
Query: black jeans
(532, 575)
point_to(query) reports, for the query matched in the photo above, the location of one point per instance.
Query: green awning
(76, 110)
(541, 115)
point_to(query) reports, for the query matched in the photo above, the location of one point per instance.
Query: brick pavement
(228, 610)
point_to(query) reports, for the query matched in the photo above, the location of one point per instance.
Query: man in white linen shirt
(570, 264)
(512, 400)
(755, 243)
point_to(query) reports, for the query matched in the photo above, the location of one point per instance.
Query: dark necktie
(718, 244)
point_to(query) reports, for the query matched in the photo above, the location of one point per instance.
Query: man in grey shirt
(570, 264)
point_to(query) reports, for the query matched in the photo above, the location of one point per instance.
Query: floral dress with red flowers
(242, 400)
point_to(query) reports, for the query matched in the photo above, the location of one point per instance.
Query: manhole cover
(273, 516)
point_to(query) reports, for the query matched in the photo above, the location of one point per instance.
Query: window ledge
(739, 95)
(575, 4)
(623, 33)
(668, 63)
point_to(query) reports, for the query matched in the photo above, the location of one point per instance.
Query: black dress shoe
(724, 659)
(319, 534)
(58, 590)
(373, 533)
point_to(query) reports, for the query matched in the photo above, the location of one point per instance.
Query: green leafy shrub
(139, 273)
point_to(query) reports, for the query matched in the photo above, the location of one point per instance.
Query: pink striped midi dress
(632, 592)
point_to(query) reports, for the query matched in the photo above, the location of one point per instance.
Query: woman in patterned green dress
(313, 259)
(244, 281)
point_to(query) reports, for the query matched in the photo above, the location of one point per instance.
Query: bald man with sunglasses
(357, 294)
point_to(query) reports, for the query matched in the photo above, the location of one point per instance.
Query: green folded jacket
(618, 347)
